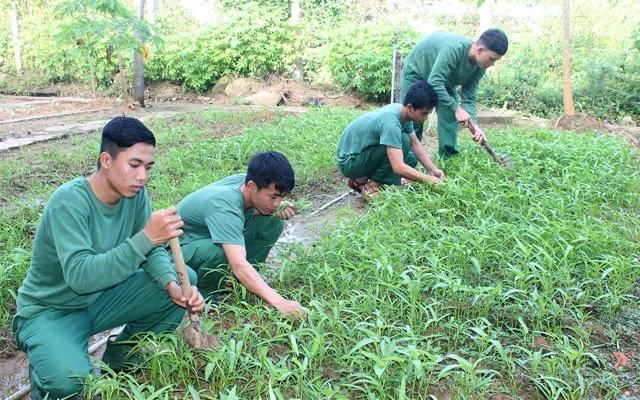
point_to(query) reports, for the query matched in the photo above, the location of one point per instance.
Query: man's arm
(251, 279)
(159, 227)
(443, 66)
(396, 158)
(469, 94)
(469, 98)
(422, 156)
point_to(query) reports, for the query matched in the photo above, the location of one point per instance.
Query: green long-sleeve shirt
(84, 246)
(442, 59)
(216, 212)
(383, 126)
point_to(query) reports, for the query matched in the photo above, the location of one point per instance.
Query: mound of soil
(579, 123)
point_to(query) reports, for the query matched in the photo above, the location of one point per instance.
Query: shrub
(530, 80)
(240, 45)
(610, 89)
(360, 58)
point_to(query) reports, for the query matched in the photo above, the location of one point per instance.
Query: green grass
(482, 286)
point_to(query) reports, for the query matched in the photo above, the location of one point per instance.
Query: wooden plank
(32, 93)
(13, 121)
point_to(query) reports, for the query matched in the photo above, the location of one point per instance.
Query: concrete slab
(15, 143)
(494, 117)
(54, 132)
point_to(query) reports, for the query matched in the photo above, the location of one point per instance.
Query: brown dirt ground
(582, 123)
(22, 117)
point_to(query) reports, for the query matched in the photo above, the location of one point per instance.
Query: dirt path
(23, 118)
(48, 120)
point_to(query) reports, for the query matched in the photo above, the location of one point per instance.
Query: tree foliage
(239, 44)
(101, 21)
(102, 30)
(636, 36)
(360, 59)
(347, 43)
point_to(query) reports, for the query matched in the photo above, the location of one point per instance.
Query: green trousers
(211, 264)
(447, 124)
(57, 341)
(374, 163)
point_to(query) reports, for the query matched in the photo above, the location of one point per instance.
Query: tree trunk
(486, 15)
(151, 10)
(295, 19)
(16, 38)
(396, 87)
(138, 62)
(123, 81)
(567, 92)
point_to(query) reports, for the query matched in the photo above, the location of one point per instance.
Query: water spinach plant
(489, 285)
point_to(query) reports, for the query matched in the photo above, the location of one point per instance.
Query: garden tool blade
(193, 333)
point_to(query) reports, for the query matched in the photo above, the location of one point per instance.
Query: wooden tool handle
(181, 268)
(472, 128)
(493, 153)
(484, 144)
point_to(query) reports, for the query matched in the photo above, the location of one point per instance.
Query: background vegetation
(348, 43)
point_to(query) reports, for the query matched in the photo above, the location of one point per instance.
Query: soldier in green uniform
(230, 226)
(447, 60)
(98, 263)
(381, 148)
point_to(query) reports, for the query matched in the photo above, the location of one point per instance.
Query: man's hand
(163, 225)
(477, 134)
(289, 211)
(290, 307)
(195, 304)
(438, 173)
(463, 118)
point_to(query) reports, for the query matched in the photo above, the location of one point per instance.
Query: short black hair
(123, 132)
(494, 40)
(420, 95)
(270, 167)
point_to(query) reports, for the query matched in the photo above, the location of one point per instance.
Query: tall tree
(138, 62)
(15, 31)
(567, 92)
(102, 23)
(295, 20)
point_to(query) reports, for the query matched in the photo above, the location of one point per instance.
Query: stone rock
(221, 85)
(627, 121)
(270, 99)
(492, 117)
(240, 87)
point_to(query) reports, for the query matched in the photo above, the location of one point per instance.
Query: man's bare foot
(370, 189)
(357, 184)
